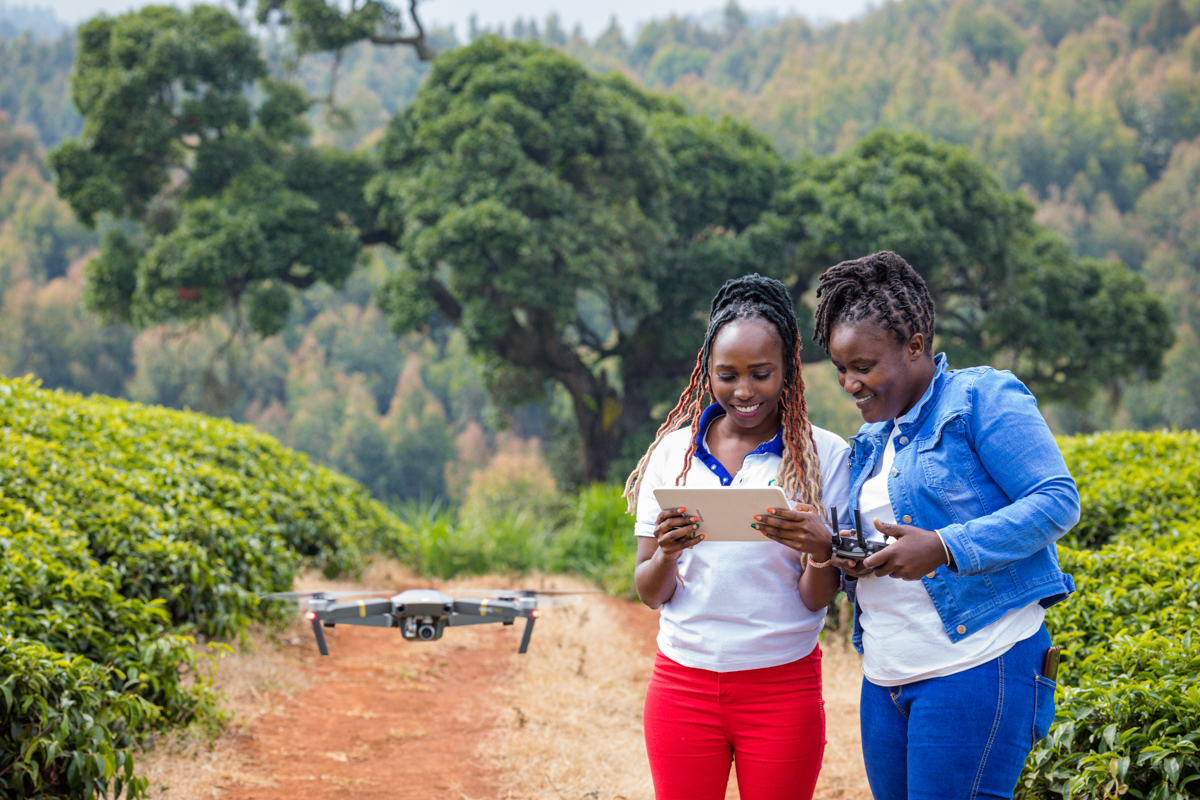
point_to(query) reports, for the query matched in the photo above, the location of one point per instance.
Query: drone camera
(426, 631)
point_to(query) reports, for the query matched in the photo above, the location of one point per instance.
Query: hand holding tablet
(725, 513)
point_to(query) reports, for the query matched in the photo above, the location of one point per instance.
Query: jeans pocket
(1043, 706)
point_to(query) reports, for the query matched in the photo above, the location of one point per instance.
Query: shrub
(598, 542)
(500, 540)
(589, 534)
(64, 731)
(1133, 485)
(1128, 718)
(200, 513)
(54, 594)
(122, 528)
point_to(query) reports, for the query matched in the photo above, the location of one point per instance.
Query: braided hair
(766, 299)
(881, 287)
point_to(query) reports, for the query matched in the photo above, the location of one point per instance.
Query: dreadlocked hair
(881, 287)
(749, 297)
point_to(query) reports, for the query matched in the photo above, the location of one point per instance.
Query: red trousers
(772, 721)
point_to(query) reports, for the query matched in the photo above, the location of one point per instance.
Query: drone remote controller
(854, 547)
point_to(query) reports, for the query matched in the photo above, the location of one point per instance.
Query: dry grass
(572, 722)
(842, 772)
(191, 764)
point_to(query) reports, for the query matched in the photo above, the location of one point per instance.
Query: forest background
(1090, 108)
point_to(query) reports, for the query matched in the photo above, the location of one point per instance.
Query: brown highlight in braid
(766, 299)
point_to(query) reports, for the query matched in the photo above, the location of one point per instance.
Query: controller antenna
(858, 529)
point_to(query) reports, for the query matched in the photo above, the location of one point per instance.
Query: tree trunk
(598, 433)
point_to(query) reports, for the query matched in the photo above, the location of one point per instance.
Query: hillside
(1091, 108)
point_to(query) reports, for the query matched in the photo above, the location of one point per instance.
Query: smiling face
(885, 377)
(746, 373)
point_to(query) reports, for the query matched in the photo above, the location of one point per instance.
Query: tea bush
(66, 731)
(124, 528)
(200, 513)
(1133, 485)
(1128, 721)
(55, 594)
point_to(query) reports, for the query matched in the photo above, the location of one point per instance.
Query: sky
(594, 16)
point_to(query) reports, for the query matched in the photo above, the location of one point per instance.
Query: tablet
(726, 513)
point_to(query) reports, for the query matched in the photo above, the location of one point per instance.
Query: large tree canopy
(227, 203)
(574, 226)
(1005, 287)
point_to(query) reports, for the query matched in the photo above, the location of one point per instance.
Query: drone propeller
(526, 592)
(546, 599)
(328, 595)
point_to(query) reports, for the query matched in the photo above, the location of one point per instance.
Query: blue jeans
(960, 737)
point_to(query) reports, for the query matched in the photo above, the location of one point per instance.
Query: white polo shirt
(737, 605)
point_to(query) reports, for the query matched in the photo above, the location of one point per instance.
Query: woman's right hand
(852, 567)
(675, 531)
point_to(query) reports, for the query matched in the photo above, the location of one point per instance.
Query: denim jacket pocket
(1043, 706)
(947, 457)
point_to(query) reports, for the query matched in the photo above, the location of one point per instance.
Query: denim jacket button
(895, 472)
(931, 575)
(961, 629)
(907, 519)
(903, 440)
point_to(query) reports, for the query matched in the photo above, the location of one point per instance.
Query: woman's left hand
(801, 528)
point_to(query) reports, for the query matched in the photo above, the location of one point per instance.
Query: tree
(573, 226)
(226, 205)
(1004, 286)
(316, 26)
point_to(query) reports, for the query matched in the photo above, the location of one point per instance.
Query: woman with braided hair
(738, 672)
(958, 473)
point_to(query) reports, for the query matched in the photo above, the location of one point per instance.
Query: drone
(855, 547)
(422, 614)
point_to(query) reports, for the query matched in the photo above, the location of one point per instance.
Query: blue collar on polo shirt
(775, 445)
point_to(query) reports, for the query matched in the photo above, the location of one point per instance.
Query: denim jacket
(976, 462)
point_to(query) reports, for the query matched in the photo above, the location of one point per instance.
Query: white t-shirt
(737, 605)
(903, 636)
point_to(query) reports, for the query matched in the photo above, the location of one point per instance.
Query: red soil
(385, 718)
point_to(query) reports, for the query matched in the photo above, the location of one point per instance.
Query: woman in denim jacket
(957, 471)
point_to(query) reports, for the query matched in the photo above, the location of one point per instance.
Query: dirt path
(463, 718)
(382, 718)
(385, 718)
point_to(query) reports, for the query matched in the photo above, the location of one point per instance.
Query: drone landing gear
(320, 634)
(527, 633)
